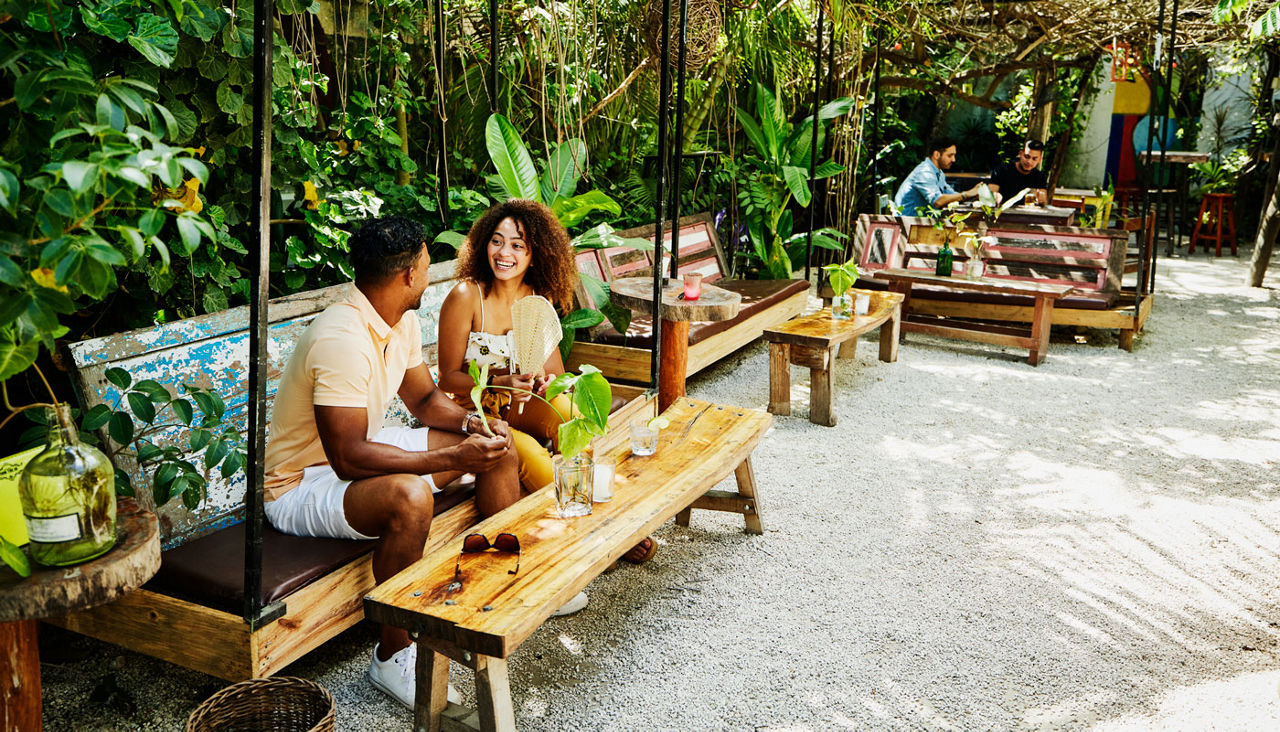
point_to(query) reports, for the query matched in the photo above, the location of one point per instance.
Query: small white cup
(861, 303)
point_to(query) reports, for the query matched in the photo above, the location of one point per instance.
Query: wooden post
(675, 361)
(747, 486)
(20, 703)
(1040, 327)
(889, 336)
(779, 378)
(433, 682)
(821, 386)
(493, 695)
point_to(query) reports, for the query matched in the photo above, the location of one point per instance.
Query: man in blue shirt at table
(927, 185)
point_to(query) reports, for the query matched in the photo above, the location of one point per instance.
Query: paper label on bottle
(53, 529)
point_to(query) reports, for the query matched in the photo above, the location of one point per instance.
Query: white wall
(1086, 163)
(1227, 94)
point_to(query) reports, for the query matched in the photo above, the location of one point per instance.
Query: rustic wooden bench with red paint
(481, 618)
(626, 356)
(190, 612)
(1092, 261)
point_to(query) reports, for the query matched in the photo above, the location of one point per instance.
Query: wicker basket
(279, 704)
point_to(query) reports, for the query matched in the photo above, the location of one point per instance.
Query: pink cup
(692, 285)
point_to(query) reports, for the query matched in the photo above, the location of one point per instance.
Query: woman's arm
(456, 317)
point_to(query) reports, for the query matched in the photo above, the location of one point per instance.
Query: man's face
(419, 277)
(944, 158)
(1029, 160)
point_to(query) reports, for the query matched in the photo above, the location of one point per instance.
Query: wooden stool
(1220, 208)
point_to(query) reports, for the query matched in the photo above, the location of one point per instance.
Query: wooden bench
(813, 341)
(1035, 339)
(1092, 261)
(481, 620)
(190, 613)
(626, 356)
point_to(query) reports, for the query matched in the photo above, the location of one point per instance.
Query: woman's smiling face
(509, 255)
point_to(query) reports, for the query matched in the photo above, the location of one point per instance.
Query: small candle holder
(692, 285)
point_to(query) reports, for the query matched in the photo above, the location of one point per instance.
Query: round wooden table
(51, 591)
(714, 303)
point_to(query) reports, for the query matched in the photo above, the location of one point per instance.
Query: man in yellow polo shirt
(334, 470)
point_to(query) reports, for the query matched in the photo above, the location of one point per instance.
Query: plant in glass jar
(841, 277)
(68, 492)
(590, 400)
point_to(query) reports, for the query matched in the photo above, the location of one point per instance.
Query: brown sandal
(642, 552)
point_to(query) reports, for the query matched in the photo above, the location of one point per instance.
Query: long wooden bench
(190, 613)
(482, 617)
(626, 356)
(1090, 260)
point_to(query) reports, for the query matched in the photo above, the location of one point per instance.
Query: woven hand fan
(535, 332)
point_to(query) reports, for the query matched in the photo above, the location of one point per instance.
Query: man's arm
(436, 410)
(945, 199)
(353, 456)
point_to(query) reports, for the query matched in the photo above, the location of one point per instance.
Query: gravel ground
(979, 544)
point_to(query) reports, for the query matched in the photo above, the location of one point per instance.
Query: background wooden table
(59, 590)
(676, 313)
(813, 341)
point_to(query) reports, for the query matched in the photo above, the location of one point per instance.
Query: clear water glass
(573, 485)
(644, 439)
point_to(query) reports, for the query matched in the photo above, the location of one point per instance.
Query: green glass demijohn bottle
(68, 495)
(943, 267)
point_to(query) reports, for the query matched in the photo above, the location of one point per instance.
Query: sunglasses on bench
(476, 543)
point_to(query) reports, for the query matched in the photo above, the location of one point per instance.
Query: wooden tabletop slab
(51, 591)
(820, 330)
(703, 444)
(982, 284)
(1175, 156)
(713, 303)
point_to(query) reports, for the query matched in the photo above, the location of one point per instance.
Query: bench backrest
(699, 252)
(1091, 260)
(212, 351)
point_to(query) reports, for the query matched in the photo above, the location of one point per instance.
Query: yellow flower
(187, 196)
(309, 194)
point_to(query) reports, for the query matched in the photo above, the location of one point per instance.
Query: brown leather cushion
(757, 295)
(209, 571)
(1075, 301)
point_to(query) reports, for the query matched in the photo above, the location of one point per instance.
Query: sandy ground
(978, 544)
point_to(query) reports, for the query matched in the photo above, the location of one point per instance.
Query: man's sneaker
(395, 676)
(578, 602)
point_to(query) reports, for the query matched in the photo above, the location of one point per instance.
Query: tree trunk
(1269, 224)
(1042, 96)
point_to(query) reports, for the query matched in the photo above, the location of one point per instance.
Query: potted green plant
(841, 277)
(591, 397)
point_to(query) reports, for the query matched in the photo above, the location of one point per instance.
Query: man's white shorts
(314, 508)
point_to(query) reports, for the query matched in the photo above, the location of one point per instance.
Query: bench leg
(432, 693)
(746, 478)
(493, 695)
(1040, 327)
(743, 502)
(848, 349)
(780, 378)
(889, 330)
(682, 518)
(1126, 338)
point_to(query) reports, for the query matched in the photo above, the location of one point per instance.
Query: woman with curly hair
(515, 249)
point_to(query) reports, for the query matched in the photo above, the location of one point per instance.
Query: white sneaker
(395, 676)
(578, 602)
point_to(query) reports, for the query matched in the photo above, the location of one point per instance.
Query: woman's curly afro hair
(551, 273)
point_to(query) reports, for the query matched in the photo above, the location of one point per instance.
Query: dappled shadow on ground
(978, 544)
